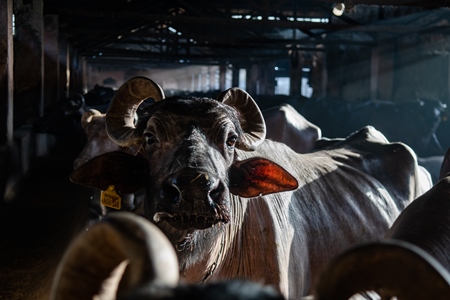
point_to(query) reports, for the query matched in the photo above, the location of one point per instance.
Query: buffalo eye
(150, 138)
(231, 141)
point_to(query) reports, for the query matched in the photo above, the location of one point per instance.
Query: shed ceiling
(211, 32)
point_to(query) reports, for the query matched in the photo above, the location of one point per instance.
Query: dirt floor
(37, 226)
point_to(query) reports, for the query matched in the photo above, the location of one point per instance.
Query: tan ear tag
(110, 198)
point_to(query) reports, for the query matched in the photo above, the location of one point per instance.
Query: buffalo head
(188, 158)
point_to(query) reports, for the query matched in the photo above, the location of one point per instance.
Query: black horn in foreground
(390, 268)
(115, 256)
(120, 116)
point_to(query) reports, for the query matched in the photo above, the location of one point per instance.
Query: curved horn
(120, 115)
(254, 126)
(393, 267)
(94, 262)
(86, 118)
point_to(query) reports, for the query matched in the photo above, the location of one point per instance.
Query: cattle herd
(204, 198)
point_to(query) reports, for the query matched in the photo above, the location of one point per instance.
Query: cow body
(284, 124)
(228, 199)
(303, 222)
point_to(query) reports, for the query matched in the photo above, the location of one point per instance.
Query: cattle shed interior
(342, 65)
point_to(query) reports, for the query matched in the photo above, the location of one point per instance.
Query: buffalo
(98, 142)
(236, 205)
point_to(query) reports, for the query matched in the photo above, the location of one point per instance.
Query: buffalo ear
(125, 171)
(259, 176)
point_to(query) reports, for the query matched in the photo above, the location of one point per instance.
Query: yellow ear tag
(110, 198)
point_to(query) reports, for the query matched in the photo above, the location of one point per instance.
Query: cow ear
(259, 176)
(254, 126)
(125, 171)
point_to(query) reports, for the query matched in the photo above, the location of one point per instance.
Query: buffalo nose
(193, 187)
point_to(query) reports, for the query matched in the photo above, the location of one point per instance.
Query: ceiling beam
(415, 3)
(150, 55)
(180, 19)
